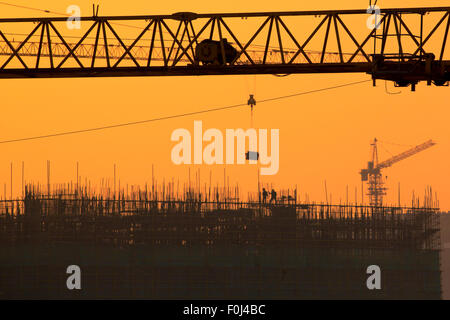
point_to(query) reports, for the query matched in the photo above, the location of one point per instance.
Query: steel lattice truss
(409, 46)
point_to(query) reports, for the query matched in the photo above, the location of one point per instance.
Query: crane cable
(252, 101)
(396, 144)
(389, 92)
(65, 14)
(26, 7)
(385, 149)
(118, 125)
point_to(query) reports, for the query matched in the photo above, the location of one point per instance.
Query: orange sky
(323, 136)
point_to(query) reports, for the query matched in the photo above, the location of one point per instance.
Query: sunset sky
(323, 136)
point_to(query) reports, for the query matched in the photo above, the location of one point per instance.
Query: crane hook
(251, 101)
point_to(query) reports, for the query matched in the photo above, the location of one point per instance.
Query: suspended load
(252, 155)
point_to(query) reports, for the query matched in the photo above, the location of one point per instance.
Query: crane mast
(372, 174)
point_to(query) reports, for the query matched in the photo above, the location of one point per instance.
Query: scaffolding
(265, 250)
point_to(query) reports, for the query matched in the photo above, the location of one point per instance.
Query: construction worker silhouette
(264, 194)
(273, 196)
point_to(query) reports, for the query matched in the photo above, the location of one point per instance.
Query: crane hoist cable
(251, 155)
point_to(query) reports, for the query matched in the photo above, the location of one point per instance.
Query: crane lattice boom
(410, 46)
(406, 154)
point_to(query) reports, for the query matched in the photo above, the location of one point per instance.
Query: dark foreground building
(149, 249)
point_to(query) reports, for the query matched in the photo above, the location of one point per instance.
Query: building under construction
(155, 246)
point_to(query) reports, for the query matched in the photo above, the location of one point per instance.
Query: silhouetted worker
(273, 196)
(264, 194)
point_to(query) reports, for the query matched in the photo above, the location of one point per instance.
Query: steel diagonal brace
(14, 51)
